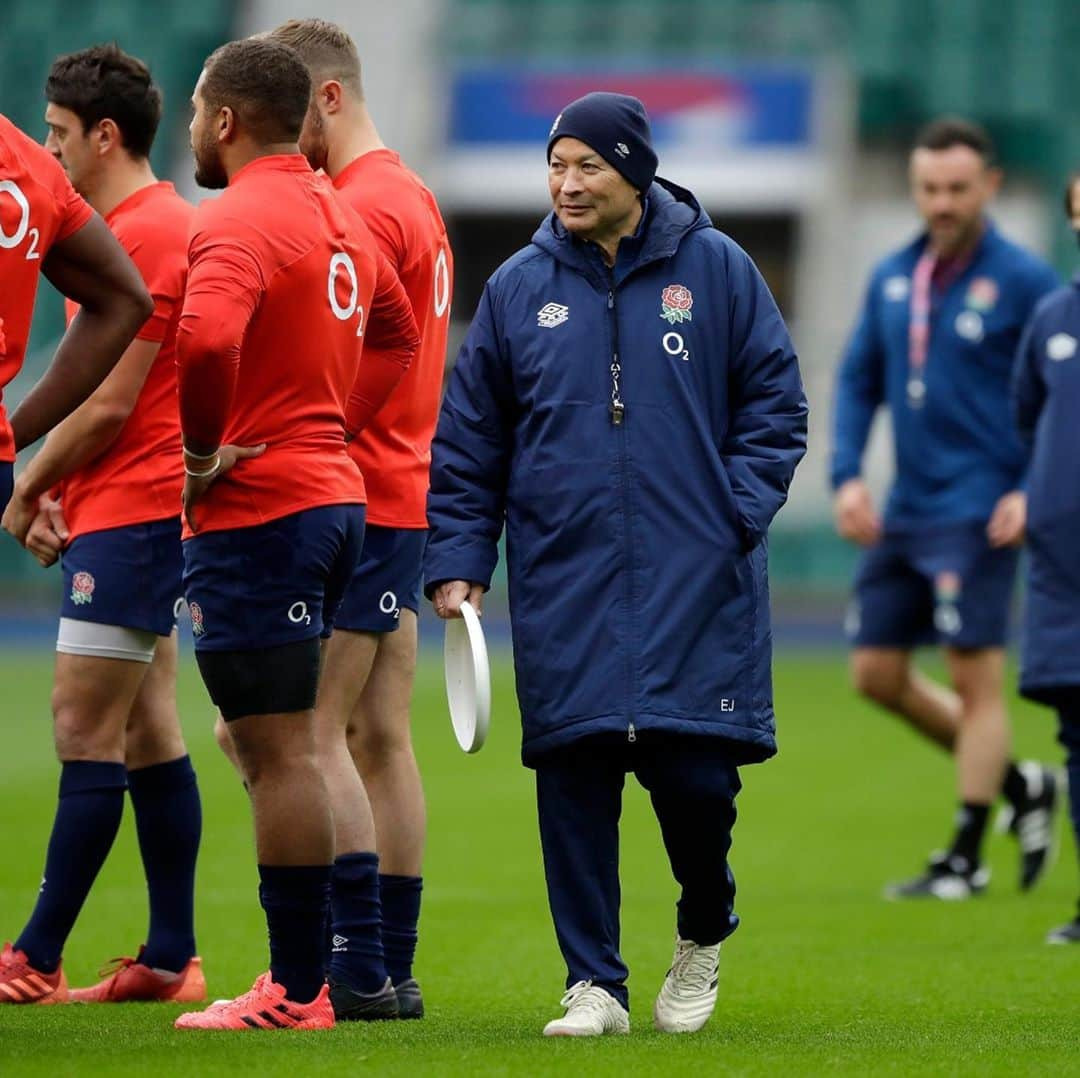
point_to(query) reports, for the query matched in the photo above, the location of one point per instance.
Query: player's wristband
(209, 472)
(200, 456)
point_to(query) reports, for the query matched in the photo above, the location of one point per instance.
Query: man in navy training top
(1047, 399)
(935, 342)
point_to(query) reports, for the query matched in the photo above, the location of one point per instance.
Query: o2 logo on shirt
(388, 604)
(442, 284)
(8, 240)
(345, 310)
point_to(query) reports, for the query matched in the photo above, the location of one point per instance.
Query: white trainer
(688, 995)
(590, 1012)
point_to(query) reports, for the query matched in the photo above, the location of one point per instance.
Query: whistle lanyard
(919, 327)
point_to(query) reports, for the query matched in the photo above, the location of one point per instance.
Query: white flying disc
(468, 679)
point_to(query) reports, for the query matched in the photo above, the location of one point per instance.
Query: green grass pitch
(823, 977)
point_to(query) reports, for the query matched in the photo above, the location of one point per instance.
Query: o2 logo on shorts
(947, 619)
(388, 604)
(298, 614)
(197, 626)
(82, 589)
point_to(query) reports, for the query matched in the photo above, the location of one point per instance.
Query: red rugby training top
(140, 476)
(283, 281)
(394, 449)
(38, 207)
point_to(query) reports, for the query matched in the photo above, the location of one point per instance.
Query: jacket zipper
(618, 409)
(618, 415)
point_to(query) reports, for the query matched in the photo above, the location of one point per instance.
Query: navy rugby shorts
(271, 584)
(128, 577)
(7, 482)
(945, 585)
(386, 580)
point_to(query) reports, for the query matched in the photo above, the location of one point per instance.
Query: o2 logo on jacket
(674, 345)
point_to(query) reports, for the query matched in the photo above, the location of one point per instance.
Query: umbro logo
(1061, 346)
(551, 315)
(339, 943)
(622, 149)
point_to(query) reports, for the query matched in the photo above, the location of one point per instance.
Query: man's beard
(209, 171)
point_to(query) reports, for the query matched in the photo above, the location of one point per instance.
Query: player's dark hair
(949, 131)
(105, 83)
(326, 48)
(1074, 179)
(264, 82)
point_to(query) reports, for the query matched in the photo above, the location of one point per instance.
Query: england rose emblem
(676, 302)
(197, 626)
(82, 589)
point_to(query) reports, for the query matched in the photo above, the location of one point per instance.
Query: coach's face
(951, 188)
(205, 143)
(592, 200)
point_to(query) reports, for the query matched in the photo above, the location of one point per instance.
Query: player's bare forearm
(79, 439)
(91, 268)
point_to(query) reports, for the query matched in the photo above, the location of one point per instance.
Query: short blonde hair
(327, 50)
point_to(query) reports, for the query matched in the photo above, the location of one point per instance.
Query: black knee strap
(264, 681)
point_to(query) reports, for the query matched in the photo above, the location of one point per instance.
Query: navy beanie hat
(616, 126)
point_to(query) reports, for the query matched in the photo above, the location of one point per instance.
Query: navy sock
(87, 818)
(295, 898)
(168, 818)
(400, 915)
(356, 951)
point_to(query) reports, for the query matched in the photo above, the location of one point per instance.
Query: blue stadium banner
(742, 107)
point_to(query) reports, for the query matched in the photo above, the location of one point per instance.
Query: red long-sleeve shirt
(394, 449)
(38, 207)
(282, 280)
(140, 476)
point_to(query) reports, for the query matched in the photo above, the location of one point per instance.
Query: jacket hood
(671, 213)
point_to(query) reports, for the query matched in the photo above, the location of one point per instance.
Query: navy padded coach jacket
(1046, 399)
(636, 553)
